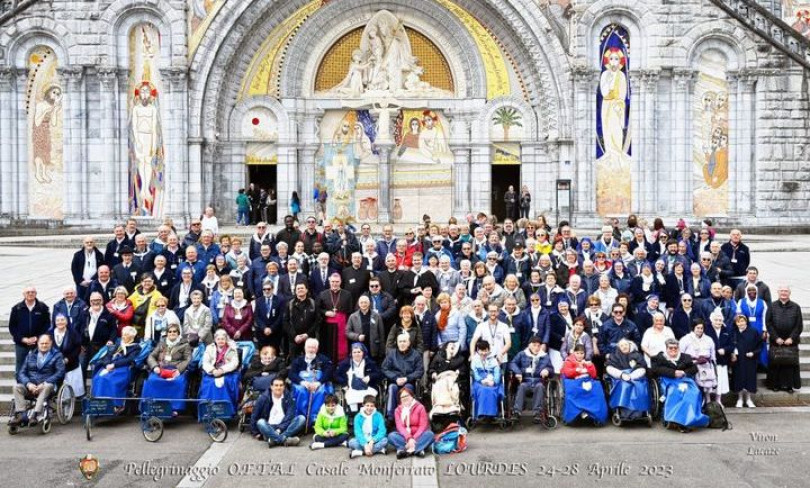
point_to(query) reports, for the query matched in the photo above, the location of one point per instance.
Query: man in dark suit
(382, 302)
(287, 282)
(142, 255)
(112, 253)
(104, 284)
(417, 279)
(391, 278)
(268, 318)
(126, 271)
(319, 276)
(71, 307)
(355, 277)
(84, 267)
(180, 296)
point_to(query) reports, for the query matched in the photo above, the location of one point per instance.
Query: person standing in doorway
(510, 198)
(525, 202)
(242, 208)
(272, 206)
(295, 205)
(253, 196)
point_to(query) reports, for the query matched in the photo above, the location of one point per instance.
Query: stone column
(385, 204)
(194, 180)
(20, 158)
(73, 158)
(106, 78)
(459, 144)
(175, 197)
(646, 152)
(480, 177)
(585, 80)
(122, 182)
(742, 121)
(7, 123)
(306, 165)
(680, 179)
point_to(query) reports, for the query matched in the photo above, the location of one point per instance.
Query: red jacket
(124, 317)
(419, 421)
(243, 325)
(572, 369)
(406, 261)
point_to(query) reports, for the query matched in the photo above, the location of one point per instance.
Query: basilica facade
(393, 110)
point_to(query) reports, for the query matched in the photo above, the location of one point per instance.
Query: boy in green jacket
(331, 426)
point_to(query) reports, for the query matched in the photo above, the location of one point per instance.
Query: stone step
(7, 357)
(805, 375)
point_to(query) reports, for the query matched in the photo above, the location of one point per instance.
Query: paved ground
(766, 448)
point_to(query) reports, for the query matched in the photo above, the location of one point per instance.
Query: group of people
(254, 205)
(336, 310)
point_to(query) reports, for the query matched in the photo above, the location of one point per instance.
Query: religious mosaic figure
(146, 150)
(432, 142)
(613, 141)
(44, 107)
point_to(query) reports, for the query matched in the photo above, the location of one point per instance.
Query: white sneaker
(356, 453)
(750, 403)
(739, 402)
(317, 445)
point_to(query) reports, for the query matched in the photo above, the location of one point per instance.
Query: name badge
(595, 330)
(168, 357)
(133, 274)
(164, 283)
(734, 260)
(373, 321)
(240, 283)
(752, 319)
(238, 316)
(519, 275)
(115, 254)
(174, 266)
(352, 280)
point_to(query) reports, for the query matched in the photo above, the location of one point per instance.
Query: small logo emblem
(89, 466)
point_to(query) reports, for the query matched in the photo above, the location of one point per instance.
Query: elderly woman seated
(487, 390)
(359, 376)
(113, 371)
(402, 367)
(197, 321)
(263, 368)
(413, 435)
(220, 381)
(168, 363)
(310, 375)
(531, 367)
(682, 398)
(584, 397)
(629, 393)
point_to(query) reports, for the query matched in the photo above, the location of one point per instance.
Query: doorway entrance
(504, 175)
(264, 177)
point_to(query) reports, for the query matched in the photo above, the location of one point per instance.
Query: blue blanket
(683, 402)
(113, 384)
(486, 399)
(632, 395)
(579, 400)
(228, 391)
(157, 387)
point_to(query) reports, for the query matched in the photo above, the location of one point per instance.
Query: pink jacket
(244, 325)
(419, 421)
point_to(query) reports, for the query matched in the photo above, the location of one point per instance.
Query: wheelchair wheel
(241, 423)
(551, 423)
(13, 430)
(65, 404)
(649, 420)
(217, 430)
(472, 423)
(153, 429)
(45, 426)
(554, 398)
(655, 399)
(88, 427)
(616, 419)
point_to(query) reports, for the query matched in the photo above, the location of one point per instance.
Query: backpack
(717, 416)
(453, 439)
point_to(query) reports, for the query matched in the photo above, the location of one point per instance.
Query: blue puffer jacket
(52, 370)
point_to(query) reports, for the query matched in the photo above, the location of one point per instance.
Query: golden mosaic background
(335, 63)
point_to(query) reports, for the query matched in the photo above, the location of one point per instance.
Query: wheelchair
(621, 408)
(560, 404)
(61, 403)
(94, 408)
(501, 419)
(663, 389)
(552, 416)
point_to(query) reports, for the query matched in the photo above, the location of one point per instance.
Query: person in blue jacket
(615, 329)
(42, 370)
(28, 320)
(537, 319)
(274, 417)
(70, 306)
(268, 317)
(530, 368)
(716, 301)
(311, 376)
(370, 436)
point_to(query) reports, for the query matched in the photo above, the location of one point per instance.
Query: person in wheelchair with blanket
(681, 395)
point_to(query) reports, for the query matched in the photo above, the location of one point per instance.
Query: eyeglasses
(686, 300)
(373, 286)
(267, 289)
(618, 312)
(535, 299)
(492, 259)
(672, 348)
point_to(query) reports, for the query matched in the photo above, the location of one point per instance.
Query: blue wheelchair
(679, 402)
(94, 408)
(577, 399)
(631, 401)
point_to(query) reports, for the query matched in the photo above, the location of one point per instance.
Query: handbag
(358, 384)
(784, 355)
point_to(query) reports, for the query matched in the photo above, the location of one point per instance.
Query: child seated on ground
(331, 426)
(370, 437)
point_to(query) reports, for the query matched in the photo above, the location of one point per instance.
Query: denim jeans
(242, 217)
(538, 392)
(422, 442)
(269, 431)
(393, 397)
(379, 446)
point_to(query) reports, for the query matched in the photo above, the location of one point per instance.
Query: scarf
(405, 415)
(441, 324)
(238, 305)
(221, 356)
(122, 348)
(533, 357)
(170, 344)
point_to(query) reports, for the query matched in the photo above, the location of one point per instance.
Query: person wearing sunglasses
(615, 329)
(683, 399)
